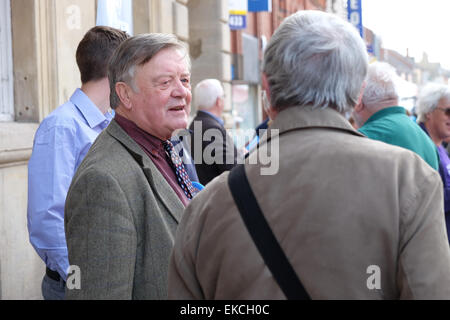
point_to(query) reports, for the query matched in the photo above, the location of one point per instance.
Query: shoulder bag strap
(263, 237)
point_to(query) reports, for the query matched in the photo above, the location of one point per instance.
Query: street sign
(259, 5)
(237, 21)
(354, 11)
(237, 10)
(238, 7)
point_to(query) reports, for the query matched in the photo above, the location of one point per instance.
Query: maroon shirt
(154, 148)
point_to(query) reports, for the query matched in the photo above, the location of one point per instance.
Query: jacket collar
(202, 113)
(385, 112)
(305, 117)
(158, 183)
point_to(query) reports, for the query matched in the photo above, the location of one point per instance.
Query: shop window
(245, 112)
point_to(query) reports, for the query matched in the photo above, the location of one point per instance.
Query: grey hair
(134, 52)
(206, 93)
(429, 98)
(315, 58)
(381, 85)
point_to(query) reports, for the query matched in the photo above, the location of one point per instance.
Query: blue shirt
(60, 144)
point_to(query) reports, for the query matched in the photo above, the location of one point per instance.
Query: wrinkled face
(438, 122)
(163, 99)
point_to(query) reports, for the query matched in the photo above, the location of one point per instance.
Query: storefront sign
(355, 15)
(259, 5)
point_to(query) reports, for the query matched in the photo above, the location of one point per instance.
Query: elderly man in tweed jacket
(125, 200)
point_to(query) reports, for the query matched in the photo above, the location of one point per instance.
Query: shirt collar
(150, 143)
(214, 116)
(386, 111)
(89, 110)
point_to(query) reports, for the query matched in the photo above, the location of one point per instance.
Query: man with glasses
(379, 116)
(433, 115)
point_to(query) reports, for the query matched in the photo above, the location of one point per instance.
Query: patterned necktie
(182, 176)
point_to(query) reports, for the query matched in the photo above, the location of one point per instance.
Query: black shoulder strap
(263, 237)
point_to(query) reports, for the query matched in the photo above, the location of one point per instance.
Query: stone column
(210, 47)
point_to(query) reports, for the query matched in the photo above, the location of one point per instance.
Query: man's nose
(180, 90)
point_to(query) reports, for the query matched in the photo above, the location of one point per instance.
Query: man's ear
(272, 113)
(359, 105)
(123, 91)
(265, 85)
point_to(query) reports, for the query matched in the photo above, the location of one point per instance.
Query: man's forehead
(444, 101)
(169, 67)
(167, 54)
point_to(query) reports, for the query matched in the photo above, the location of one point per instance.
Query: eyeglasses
(446, 111)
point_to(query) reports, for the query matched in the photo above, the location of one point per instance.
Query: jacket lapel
(163, 191)
(160, 187)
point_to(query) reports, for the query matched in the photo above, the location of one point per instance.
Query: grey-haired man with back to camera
(356, 218)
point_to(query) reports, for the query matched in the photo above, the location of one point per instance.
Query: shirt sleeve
(50, 171)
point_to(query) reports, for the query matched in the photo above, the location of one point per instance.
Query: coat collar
(304, 117)
(158, 183)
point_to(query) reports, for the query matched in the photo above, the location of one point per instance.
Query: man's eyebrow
(171, 75)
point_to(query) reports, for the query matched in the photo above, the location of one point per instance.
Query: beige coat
(339, 205)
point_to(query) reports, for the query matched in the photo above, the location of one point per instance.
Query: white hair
(206, 93)
(429, 98)
(315, 58)
(381, 85)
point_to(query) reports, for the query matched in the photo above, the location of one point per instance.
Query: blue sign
(237, 21)
(354, 11)
(259, 5)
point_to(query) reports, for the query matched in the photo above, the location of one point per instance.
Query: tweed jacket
(226, 150)
(357, 218)
(120, 221)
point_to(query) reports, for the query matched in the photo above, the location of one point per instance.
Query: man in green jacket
(379, 117)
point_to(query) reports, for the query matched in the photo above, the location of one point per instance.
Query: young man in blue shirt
(60, 144)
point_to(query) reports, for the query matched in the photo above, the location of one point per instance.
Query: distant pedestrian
(433, 110)
(380, 117)
(212, 148)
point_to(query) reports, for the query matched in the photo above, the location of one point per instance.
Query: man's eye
(185, 80)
